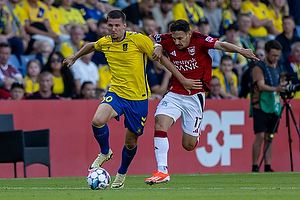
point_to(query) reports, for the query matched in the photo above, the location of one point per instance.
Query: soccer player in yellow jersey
(126, 53)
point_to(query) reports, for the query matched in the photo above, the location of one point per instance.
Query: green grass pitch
(276, 185)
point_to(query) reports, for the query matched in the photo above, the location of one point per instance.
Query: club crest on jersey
(157, 37)
(209, 39)
(191, 50)
(125, 46)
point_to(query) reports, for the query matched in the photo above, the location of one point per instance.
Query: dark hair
(288, 17)
(101, 21)
(17, 84)
(226, 57)
(66, 73)
(272, 44)
(116, 14)
(4, 44)
(84, 84)
(180, 25)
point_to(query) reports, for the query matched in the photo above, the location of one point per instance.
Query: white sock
(161, 153)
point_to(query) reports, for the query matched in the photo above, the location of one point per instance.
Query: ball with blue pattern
(98, 179)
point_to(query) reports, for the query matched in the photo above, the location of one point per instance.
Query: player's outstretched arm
(188, 84)
(157, 52)
(228, 47)
(86, 49)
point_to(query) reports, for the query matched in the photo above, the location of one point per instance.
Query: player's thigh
(136, 113)
(192, 114)
(103, 114)
(168, 111)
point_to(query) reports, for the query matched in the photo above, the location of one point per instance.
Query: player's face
(181, 39)
(116, 28)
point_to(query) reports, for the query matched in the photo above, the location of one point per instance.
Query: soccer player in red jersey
(188, 50)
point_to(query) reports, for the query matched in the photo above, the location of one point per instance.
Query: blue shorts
(135, 112)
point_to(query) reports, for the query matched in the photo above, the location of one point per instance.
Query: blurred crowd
(35, 37)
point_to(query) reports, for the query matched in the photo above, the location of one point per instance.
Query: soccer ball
(98, 179)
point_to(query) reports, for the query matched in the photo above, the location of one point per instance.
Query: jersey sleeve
(163, 40)
(144, 43)
(98, 44)
(208, 42)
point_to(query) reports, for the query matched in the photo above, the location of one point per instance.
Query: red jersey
(193, 62)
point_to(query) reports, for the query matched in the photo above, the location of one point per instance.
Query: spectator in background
(57, 21)
(244, 24)
(262, 24)
(17, 91)
(72, 16)
(85, 70)
(228, 79)
(213, 15)
(92, 11)
(33, 69)
(239, 62)
(294, 7)
(292, 65)
(99, 58)
(87, 90)
(158, 78)
(37, 22)
(189, 11)
(72, 45)
(278, 9)
(149, 26)
(215, 88)
(63, 78)
(204, 29)
(101, 30)
(18, 25)
(137, 11)
(8, 72)
(6, 31)
(230, 14)
(45, 87)
(247, 77)
(163, 14)
(287, 37)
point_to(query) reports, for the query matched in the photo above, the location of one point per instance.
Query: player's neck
(118, 39)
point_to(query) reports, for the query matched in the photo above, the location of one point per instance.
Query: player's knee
(189, 146)
(98, 122)
(130, 145)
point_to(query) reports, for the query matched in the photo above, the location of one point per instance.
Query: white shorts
(190, 108)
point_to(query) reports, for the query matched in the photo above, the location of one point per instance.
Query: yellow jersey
(72, 16)
(127, 60)
(34, 14)
(261, 12)
(217, 72)
(31, 87)
(190, 14)
(56, 19)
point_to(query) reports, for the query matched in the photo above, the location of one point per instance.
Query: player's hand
(192, 84)
(248, 53)
(157, 53)
(69, 61)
